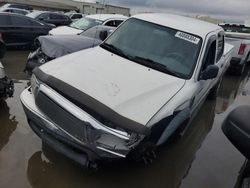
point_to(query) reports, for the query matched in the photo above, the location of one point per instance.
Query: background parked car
(75, 16)
(19, 30)
(15, 10)
(55, 18)
(2, 47)
(112, 20)
(51, 47)
(239, 36)
(20, 6)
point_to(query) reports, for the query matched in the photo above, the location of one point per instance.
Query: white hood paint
(132, 90)
(65, 30)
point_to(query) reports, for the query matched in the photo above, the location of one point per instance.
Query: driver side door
(204, 86)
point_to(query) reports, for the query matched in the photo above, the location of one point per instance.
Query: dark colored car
(57, 19)
(20, 6)
(15, 10)
(19, 30)
(51, 47)
(2, 47)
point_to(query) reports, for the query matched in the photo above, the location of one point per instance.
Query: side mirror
(237, 129)
(210, 72)
(103, 35)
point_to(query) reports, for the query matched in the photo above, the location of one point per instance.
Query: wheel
(146, 153)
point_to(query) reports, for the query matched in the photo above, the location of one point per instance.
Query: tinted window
(20, 12)
(4, 20)
(210, 57)
(76, 16)
(114, 23)
(56, 17)
(44, 16)
(20, 21)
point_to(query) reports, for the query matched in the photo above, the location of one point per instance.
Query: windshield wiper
(115, 50)
(155, 65)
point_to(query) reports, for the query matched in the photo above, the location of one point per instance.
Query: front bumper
(6, 87)
(105, 147)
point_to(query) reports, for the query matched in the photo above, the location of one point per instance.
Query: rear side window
(20, 21)
(114, 23)
(58, 17)
(4, 20)
(220, 48)
(76, 16)
(44, 16)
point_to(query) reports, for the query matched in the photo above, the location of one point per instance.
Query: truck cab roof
(181, 23)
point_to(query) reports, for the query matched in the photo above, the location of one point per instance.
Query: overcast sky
(226, 9)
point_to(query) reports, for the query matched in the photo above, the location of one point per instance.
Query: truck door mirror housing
(210, 72)
(103, 35)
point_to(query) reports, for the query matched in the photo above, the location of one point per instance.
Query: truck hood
(65, 30)
(59, 45)
(130, 89)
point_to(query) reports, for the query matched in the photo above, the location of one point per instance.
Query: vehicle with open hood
(52, 47)
(130, 94)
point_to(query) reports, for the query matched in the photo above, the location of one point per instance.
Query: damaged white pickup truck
(131, 93)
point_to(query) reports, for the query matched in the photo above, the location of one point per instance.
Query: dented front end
(72, 131)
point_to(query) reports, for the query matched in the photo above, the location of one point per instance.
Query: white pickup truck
(239, 36)
(131, 93)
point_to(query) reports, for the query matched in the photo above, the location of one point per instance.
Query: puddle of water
(203, 156)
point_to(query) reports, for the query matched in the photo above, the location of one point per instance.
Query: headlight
(41, 60)
(34, 84)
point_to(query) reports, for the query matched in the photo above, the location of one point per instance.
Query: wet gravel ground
(202, 158)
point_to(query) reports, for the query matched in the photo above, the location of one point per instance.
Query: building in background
(72, 5)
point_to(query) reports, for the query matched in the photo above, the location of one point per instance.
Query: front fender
(180, 119)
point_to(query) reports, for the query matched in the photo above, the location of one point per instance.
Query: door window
(44, 16)
(76, 16)
(114, 23)
(20, 21)
(209, 58)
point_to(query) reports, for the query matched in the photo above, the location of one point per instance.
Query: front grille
(61, 117)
